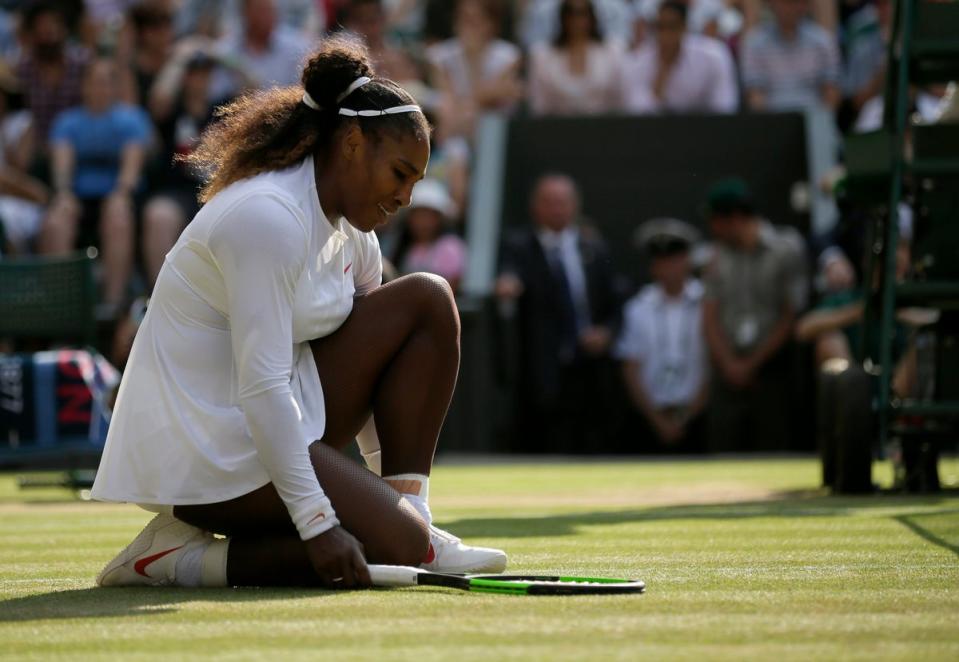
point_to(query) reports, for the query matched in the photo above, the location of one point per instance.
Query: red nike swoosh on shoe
(430, 555)
(348, 267)
(141, 565)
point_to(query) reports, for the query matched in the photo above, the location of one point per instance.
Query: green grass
(743, 559)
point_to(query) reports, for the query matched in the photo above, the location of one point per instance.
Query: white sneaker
(447, 553)
(150, 560)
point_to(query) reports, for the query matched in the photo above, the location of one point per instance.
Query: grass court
(743, 559)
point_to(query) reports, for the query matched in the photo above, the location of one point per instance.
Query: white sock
(203, 565)
(188, 566)
(369, 444)
(373, 462)
(416, 489)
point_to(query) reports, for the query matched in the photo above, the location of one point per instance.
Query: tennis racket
(398, 575)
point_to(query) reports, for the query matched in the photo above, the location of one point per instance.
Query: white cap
(431, 194)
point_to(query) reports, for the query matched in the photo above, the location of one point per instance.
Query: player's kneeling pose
(269, 329)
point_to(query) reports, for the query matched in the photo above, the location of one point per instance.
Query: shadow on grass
(911, 522)
(784, 504)
(115, 602)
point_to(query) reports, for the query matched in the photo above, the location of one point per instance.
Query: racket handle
(393, 575)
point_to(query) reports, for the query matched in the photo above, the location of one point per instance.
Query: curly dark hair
(273, 129)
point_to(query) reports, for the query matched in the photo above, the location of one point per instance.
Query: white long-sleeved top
(221, 394)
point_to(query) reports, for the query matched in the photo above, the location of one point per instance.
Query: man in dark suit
(559, 274)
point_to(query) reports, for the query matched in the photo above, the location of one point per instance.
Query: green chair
(48, 298)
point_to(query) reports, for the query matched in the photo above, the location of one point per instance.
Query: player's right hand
(338, 559)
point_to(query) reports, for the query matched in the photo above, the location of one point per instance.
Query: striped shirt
(790, 73)
(47, 98)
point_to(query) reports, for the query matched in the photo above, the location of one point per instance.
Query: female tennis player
(268, 329)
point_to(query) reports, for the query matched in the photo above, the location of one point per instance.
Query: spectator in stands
(679, 72)
(425, 244)
(271, 54)
(665, 362)
(21, 197)
(50, 69)
(474, 70)
(182, 108)
(540, 21)
(367, 18)
(405, 17)
(145, 49)
(214, 18)
(755, 288)
(578, 74)
(558, 271)
(702, 17)
(9, 44)
(790, 63)
(449, 164)
(97, 162)
(865, 65)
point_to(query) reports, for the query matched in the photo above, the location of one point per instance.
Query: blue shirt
(98, 141)
(791, 72)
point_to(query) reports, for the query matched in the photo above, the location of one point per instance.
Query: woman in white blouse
(475, 71)
(267, 331)
(578, 74)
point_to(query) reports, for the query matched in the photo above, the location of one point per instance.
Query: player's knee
(437, 304)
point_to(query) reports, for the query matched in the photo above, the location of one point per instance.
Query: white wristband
(315, 518)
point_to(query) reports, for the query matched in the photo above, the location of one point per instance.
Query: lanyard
(673, 368)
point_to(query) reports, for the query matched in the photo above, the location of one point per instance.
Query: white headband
(355, 85)
(376, 113)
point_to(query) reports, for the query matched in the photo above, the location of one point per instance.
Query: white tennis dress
(221, 395)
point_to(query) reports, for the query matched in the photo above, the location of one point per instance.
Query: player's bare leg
(397, 355)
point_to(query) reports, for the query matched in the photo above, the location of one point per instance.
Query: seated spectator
(424, 243)
(367, 18)
(449, 164)
(9, 45)
(665, 362)
(679, 72)
(22, 198)
(864, 71)
(268, 52)
(182, 108)
(540, 21)
(97, 163)
(790, 62)
(755, 288)
(557, 272)
(578, 74)
(702, 17)
(406, 18)
(474, 70)
(145, 48)
(214, 18)
(50, 69)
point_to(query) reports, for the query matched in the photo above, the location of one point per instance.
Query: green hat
(728, 196)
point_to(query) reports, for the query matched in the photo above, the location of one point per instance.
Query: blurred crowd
(100, 99)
